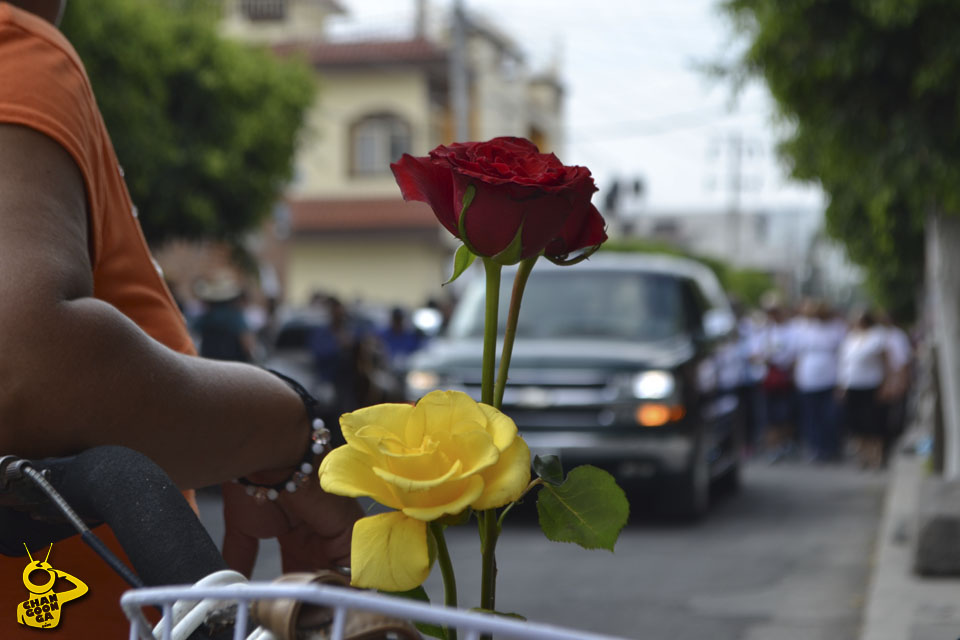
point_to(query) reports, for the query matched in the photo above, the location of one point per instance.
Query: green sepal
(504, 614)
(420, 595)
(566, 261)
(461, 262)
(588, 509)
(456, 519)
(468, 196)
(431, 549)
(511, 254)
(549, 469)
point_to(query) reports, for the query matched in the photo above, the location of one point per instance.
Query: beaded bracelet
(319, 439)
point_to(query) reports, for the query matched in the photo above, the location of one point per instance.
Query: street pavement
(902, 605)
(788, 558)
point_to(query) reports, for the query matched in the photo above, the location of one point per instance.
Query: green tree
(870, 88)
(205, 128)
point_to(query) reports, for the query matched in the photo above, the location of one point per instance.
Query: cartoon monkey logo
(42, 607)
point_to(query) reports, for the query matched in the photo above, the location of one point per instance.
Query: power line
(655, 126)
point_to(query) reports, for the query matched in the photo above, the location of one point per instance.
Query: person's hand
(313, 527)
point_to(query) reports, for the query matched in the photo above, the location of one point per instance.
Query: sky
(638, 103)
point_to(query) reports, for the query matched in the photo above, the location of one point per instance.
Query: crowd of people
(815, 384)
(821, 386)
(360, 355)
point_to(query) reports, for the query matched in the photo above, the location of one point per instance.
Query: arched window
(376, 141)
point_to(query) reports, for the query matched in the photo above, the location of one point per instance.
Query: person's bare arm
(76, 373)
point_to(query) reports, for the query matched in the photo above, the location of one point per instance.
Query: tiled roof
(328, 54)
(317, 215)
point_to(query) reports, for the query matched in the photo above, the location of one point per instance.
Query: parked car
(618, 362)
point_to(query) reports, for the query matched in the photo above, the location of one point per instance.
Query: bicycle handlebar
(162, 536)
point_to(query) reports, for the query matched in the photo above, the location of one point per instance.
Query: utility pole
(459, 96)
(734, 147)
(735, 181)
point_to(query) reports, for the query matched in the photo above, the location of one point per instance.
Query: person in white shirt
(817, 346)
(894, 392)
(749, 347)
(863, 368)
(778, 390)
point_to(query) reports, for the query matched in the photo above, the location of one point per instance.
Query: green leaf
(420, 594)
(588, 509)
(417, 593)
(549, 469)
(461, 262)
(431, 630)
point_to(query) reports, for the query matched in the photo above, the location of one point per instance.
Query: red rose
(516, 187)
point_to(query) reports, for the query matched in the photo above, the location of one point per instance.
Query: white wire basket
(185, 608)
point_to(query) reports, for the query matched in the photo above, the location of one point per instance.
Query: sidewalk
(901, 605)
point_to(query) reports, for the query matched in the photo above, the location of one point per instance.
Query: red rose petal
(423, 180)
(584, 228)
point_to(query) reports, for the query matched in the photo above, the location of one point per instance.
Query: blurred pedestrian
(896, 387)
(779, 355)
(222, 327)
(863, 368)
(400, 339)
(817, 344)
(335, 347)
(752, 370)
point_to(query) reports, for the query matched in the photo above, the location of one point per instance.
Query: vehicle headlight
(654, 385)
(420, 380)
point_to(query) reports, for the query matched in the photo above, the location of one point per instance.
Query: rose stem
(488, 519)
(446, 570)
(519, 283)
(490, 330)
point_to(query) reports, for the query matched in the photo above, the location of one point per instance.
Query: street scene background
(788, 171)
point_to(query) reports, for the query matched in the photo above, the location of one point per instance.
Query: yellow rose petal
(392, 416)
(475, 449)
(348, 472)
(499, 425)
(426, 466)
(413, 484)
(447, 499)
(447, 411)
(389, 552)
(505, 481)
(380, 439)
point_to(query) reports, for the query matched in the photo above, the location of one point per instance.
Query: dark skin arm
(76, 373)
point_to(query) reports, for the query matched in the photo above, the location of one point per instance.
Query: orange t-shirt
(43, 85)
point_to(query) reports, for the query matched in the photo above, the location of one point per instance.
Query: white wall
(378, 270)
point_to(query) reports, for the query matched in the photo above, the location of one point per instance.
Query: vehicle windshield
(587, 304)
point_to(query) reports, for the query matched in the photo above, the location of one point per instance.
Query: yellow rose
(439, 457)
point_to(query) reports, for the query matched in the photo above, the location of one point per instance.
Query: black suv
(623, 361)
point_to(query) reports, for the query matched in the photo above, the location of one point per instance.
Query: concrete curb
(899, 604)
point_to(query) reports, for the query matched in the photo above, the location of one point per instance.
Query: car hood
(539, 355)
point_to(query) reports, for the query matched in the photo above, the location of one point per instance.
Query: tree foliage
(205, 128)
(871, 89)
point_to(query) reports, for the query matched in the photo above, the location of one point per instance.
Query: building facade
(343, 228)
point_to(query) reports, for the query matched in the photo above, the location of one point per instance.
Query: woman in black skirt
(862, 371)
